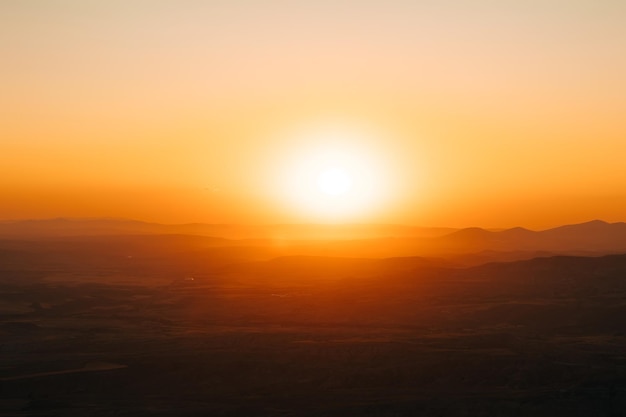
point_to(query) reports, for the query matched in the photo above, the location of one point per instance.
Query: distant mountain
(74, 227)
(62, 227)
(346, 240)
(598, 236)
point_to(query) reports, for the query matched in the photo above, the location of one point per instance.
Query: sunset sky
(443, 113)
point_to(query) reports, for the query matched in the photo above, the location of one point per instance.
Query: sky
(451, 113)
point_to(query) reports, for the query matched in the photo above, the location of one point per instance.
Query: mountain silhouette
(345, 240)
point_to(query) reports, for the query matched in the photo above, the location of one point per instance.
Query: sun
(334, 181)
(333, 174)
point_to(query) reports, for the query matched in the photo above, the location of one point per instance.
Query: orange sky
(485, 113)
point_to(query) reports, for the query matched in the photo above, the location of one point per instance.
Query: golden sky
(475, 113)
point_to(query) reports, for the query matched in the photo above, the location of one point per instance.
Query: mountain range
(469, 245)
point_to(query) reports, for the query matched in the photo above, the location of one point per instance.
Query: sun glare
(334, 181)
(333, 173)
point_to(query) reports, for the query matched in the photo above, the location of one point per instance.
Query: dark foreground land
(94, 331)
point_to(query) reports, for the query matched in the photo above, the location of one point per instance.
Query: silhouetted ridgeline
(61, 227)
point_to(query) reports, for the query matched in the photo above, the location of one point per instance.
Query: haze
(304, 208)
(496, 114)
